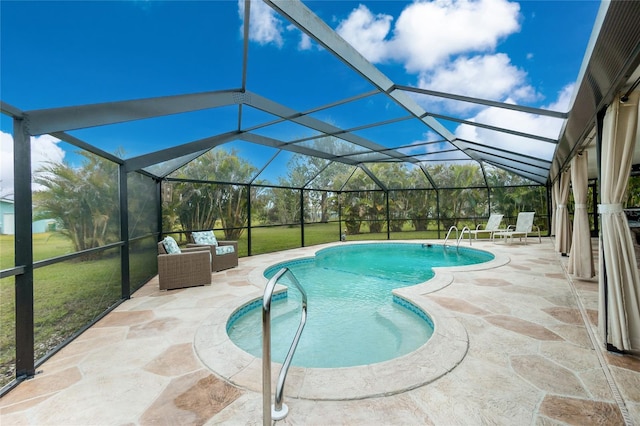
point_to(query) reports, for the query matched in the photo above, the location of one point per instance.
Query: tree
(319, 177)
(84, 200)
(358, 202)
(142, 204)
(301, 170)
(633, 192)
(511, 194)
(459, 195)
(285, 206)
(200, 205)
(196, 205)
(394, 176)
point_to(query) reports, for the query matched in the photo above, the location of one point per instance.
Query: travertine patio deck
(519, 347)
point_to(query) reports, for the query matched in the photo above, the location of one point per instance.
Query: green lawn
(67, 295)
(45, 246)
(270, 239)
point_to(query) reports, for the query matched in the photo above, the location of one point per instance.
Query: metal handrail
(279, 410)
(466, 228)
(449, 233)
(459, 235)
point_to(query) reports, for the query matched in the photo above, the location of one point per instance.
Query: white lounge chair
(524, 227)
(493, 225)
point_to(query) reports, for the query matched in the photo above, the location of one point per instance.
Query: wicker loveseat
(224, 254)
(190, 267)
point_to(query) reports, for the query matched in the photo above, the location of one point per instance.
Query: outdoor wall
(7, 220)
(143, 203)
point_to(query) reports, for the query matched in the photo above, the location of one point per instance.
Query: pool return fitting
(279, 410)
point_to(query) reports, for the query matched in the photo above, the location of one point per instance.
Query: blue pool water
(353, 318)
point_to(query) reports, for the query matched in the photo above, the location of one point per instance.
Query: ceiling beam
(299, 149)
(10, 110)
(325, 129)
(146, 160)
(318, 30)
(613, 54)
(486, 102)
(497, 129)
(50, 120)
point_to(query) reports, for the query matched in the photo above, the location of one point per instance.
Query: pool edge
(444, 351)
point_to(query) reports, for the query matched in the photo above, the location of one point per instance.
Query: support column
(25, 362)
(302, 217)
(160, 200)
(386, 196)
(125, 283)
(248, 220)
(438, 211)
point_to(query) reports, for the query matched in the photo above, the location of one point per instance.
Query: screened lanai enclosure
(277, 161)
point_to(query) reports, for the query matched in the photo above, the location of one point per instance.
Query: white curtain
(563, 227)
(581, 257)
(621, 297)
(555, 193)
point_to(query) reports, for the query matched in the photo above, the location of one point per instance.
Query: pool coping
(445, 349)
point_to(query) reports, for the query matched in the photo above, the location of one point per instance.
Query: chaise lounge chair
(493, 225)
(224, 254)
(178, 268)
(524, 227)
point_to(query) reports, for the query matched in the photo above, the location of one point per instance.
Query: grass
(276, 238)
(270, 239)
(45, 246)
(67, 295)
(7, 330)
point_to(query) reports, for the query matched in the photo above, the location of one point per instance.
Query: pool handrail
(459, 236)
(449, 233)
(466, 228)
(279, 410)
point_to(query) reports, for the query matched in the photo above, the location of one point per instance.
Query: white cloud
(499, 79)
(449, 44)
(563, 103)
(426, 145)
(366, 33)
(428, 34)
(305, 42)
(44, 151)
(527, 123)
(265, 27)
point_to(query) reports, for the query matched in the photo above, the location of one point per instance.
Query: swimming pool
(353, 317)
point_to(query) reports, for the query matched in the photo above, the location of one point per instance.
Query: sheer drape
(581, 257)
(555, 193)
(563, 227)
(619, 298)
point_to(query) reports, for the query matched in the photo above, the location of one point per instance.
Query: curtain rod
(625, 97)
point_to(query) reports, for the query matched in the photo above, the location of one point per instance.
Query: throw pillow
(224, 250)
(204, 237)
(170, 245)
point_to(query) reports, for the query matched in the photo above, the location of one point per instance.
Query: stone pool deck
(515, 343)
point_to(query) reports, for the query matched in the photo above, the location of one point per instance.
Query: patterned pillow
(224, 250)
(170, 245)
(204, 237)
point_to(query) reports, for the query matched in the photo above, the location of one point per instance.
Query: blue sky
(57, 54)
